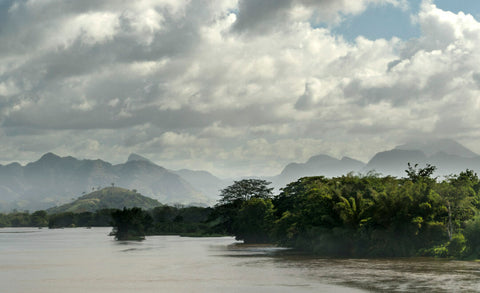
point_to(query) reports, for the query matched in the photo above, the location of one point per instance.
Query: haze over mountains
(54, 180)
(447, 155)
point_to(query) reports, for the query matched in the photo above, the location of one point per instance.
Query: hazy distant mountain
(134, 157)
(452, 164)
(204, 181)
(431, 147)
(317, 165)
(54, 180)
(107, 198)
(449, 156)
(394, 162)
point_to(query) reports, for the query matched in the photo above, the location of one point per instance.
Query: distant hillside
(53, 180)
(320, 165)
(394, 162)
(204, 181)
(430, 147)
(449, 156)
(107, 198)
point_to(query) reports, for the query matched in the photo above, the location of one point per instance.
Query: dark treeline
(163, 220)
(135, 224)
(100, 218)
(360, 216)
(24, 219)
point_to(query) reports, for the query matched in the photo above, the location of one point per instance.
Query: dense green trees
(24, 219)
(364, 216)
(39, 219)
(243, 190)
(254, 221)
(245, 210)
(100, 218)
(130, 224)
(163, 220)
(175, 220)
(135, 224)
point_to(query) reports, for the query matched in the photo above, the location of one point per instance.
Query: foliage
(347, 216)
(243, 190)
(363, 216)
(100, 218)
(130, 224)
(254, 221)
(456, 246)
(472, 237)
(109, 197)
(162, 220)
(21, 219)
(233, 199)
(416, 174)
(191, 221)
(39, 219)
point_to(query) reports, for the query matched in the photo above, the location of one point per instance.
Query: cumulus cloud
(239, 87)
(268, 15)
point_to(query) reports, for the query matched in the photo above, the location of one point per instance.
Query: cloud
(270, 15)
(240, 87)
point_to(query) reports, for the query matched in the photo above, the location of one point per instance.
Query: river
(87, 260)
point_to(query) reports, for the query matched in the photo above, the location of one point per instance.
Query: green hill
(107, 198)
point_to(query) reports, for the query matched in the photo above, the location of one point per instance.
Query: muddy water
(87, 260)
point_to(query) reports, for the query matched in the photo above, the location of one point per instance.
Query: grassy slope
(110, 197)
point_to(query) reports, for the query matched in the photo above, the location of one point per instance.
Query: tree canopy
(244, 190)
(360, 216)
(130, 224)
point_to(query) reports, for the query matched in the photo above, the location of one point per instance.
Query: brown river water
(87, 260)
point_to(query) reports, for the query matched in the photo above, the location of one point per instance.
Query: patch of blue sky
(466, 6)
(387, 21)
(381, 22)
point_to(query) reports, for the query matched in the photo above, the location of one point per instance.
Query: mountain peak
(433, 146)
(49, 156)
(135, 157)
(318, 159)
(348, 159)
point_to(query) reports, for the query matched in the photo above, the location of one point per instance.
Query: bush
(456, 246)
(472, 237)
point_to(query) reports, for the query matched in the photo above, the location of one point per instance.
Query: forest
(362, 216)
(348, 216)
(132, 223)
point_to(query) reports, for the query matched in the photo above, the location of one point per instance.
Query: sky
(235, 87)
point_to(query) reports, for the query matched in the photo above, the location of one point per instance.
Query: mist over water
(87, 260)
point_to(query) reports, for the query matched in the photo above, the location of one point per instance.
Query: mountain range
(449, 156)
(53, 180)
